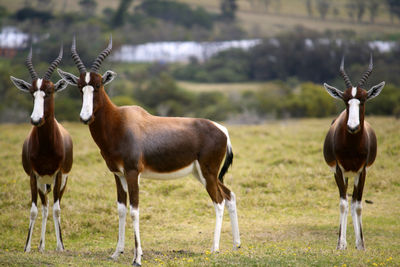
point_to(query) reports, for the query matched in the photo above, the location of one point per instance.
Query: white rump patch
(225, 131)
(87, 105)
(354, 113)
(147, 174)
(38, 105)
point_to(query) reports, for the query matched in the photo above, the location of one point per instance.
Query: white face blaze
(87, 105)
(354, 113)
(38, 103)
(354, 91)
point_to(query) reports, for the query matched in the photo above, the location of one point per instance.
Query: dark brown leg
(57, 210)
(33, 213)
(356, 209)
(344, 207)
(120, 181)
(132, 179)
(45, 211)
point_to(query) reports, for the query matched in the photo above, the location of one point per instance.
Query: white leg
(219, 213)
(32, 219)
(356, 208)
(45, 212)
(137, 258)
(344, 209)
(231, 206)
(121, 231)
(57, 222)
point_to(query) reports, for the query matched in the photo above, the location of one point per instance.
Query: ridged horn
(344, 75)
(367, 73)
(76, 58)
(97, 63)
(54, 65)
(29, 65)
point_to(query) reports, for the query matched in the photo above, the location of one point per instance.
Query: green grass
(288, 205)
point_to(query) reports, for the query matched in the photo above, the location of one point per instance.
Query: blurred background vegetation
(301, 44)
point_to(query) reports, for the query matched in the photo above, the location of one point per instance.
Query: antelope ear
(60, 85)
(108, 76)
(336, 93)
(21, 84)
(68, 77)
(375, 90)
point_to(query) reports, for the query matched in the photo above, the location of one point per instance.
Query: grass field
(288, 205)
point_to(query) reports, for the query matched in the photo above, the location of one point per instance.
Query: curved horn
(367, 73)
(29, 65)
(54, 65)
(344, 75)
(96, 64)
(76, 58)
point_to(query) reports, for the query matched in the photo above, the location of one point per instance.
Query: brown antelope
(135, 144)
(350, 148)
(47, 151)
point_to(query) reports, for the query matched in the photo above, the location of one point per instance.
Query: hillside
(259, 21)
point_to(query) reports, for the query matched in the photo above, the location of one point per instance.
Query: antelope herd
(135, 144)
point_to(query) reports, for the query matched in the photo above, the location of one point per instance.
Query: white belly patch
(147, 174)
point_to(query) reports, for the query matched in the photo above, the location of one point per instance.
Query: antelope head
(90, 83)
(355, 97)
(41, 89)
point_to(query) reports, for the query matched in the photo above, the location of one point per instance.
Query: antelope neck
(103, 119)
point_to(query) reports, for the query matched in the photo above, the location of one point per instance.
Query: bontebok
(47, 151)
(135, 144)
(350, 148)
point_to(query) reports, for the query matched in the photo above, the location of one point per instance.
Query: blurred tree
(360, 6)
(309, 8)
(228, 9)
(28, 13)
(351, 10)
(121, 13)
(88, 7)
(373, 7)
(323, 7)
(394, 8)
(336, 12)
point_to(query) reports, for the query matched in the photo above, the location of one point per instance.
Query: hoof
(60, 249)
(236, 247)
(116, 254)
(341, 246)
(27, 250)
(136, 264)
(360, 247)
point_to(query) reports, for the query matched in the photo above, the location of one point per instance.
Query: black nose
(353, 130)
(36, 123)
(86, 121)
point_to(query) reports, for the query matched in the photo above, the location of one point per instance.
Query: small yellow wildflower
(294, 254)
(190, 260)
(344, 265)
(389, 259)
(207, 259)
(374, 264)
